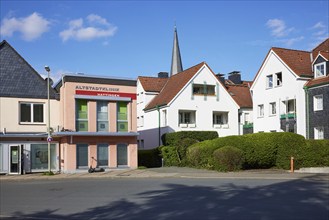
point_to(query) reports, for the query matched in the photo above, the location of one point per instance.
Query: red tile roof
(325, 55)
(174, 84)
(324, 46)
(299, 61)
(240, 94)
(152, 84)
(318, 81)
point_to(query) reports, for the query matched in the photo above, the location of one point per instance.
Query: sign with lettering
(103, 93)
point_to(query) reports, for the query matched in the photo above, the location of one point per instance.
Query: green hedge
(261, 150)
(174, 137)
(228, 158)
(170, 156)
(315, 154)
(149, 158)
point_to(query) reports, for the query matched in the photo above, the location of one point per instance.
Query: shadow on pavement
(306, 198)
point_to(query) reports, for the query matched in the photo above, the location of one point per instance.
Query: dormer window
(319, 70)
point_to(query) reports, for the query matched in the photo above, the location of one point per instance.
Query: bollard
(292, 164)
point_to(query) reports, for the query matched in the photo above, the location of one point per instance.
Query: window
(318, 133)
(203, 89)
(122, 116)
(122, 155)
(102, 155)
(273, 108)
(260, 110)
(320, 70)
(269, 81)
(186, 117)
(31, 112)
(247, 118)
(164, 117)
(102, 116)
(318, 102)
(220, 118)
(278, 79)
(81, 115)
(39, 156)
(82, 155)
(291, 106)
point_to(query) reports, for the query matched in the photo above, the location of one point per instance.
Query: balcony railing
(289, 115)
(248, 125)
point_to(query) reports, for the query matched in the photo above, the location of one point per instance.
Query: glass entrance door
(14, 161)
(122, 155)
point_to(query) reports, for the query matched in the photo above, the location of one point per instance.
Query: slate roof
(174, 84)
(18, 78)
(152, 84)
(240, 94)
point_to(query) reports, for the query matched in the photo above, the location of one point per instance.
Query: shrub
(228, 158)
(170, 156)
(174, 138)
(149, 158)
(182, 146)
(315, 154)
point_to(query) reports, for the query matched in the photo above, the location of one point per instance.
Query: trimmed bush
(170, 156)
(315, 154)
(228, 158)
(182, 146)
(174, 138)
(149, 158)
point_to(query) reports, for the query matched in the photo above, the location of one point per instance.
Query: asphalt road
(166, 198)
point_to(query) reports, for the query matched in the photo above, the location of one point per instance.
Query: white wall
(291, 88)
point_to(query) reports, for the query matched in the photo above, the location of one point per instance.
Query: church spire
(176, 61)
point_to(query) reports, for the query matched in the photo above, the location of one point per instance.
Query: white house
(194, 99)
(278, 90)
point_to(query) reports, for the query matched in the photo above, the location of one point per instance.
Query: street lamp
(48, 124)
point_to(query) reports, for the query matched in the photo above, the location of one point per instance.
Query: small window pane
(37, 112)
(25, 112)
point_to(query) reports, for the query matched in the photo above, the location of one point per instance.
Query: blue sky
(135, 38)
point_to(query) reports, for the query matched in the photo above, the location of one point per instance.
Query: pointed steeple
(176, 61)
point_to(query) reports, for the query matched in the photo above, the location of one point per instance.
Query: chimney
(163, 75)
(235, 77)
(221, 77)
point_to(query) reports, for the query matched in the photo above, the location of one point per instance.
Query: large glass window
(82, 155)
(122, 116)
(31, 112)
(81, 115)
(203, 89)
(320, 70)
(103, 155)
(102, 116)
(39, 156)
(122, 155)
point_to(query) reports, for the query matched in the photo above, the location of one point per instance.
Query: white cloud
(97, 27)
(278, 27)
(31, 27)
(289, 42)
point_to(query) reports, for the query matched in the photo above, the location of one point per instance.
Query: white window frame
(182, 118)
(319, 133)
(318, 106)
(260, 111)
(223, 122)
(319, 73)
(272, 113)
(269, 83)
(32, 112)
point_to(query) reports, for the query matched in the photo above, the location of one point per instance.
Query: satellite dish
(51, 82)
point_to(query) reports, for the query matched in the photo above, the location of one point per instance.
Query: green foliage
(182, 146)
(174, 138)
(48, 173)
(149, 158)
(228, 158)
(315, 154)
(170, 156)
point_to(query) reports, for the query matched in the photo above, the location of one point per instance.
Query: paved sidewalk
(168, 172)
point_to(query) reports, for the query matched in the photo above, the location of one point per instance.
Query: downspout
(307, 113)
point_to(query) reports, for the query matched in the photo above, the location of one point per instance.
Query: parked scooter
(95, 169)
